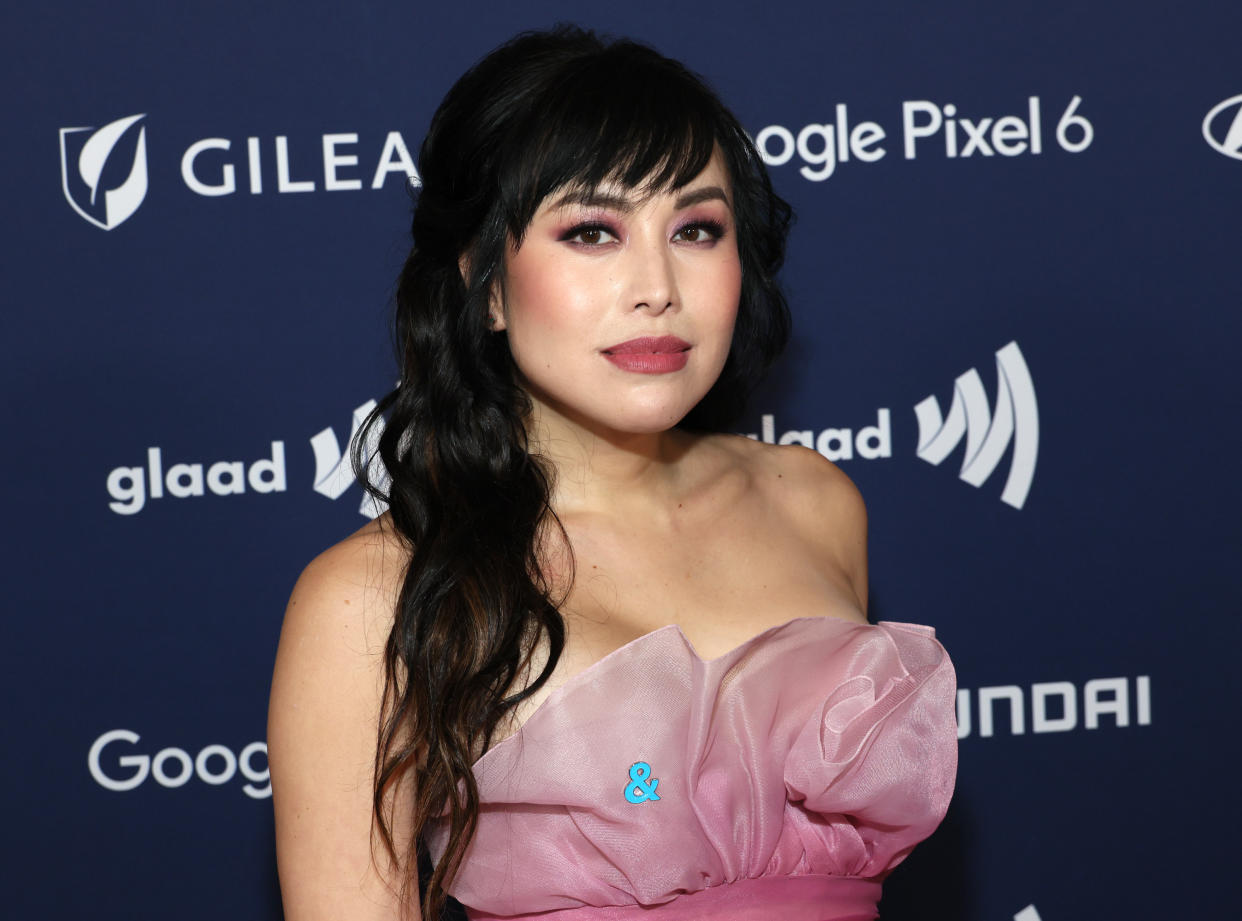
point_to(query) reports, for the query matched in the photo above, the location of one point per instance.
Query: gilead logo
(87, 153)
(209, 166)
(104, 170)
(131, 487)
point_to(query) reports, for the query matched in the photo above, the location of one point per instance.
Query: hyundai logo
(1222, 127)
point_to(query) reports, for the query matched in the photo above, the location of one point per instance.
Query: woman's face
(620, 305)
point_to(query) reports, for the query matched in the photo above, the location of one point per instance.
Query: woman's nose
(653, 278)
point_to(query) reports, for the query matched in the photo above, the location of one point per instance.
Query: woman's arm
(322, 727)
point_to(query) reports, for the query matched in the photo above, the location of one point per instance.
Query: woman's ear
(495, 307)
(495, 301)
(494, 298)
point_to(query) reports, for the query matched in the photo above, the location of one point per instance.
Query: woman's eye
(700, 233)
(590, 236)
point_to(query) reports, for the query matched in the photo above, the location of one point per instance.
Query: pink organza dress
(782, 780)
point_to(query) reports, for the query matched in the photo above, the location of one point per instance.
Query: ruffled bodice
(798, 768)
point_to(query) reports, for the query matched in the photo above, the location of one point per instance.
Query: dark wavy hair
(544, 112)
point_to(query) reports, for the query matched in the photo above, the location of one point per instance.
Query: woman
(598, 659)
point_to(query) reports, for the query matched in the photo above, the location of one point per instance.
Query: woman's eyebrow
(707, 193)
(593, 198)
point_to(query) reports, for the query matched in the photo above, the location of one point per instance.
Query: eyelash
(714, 229)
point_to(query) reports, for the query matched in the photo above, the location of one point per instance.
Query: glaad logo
(836, 444)
(173, 767)
(128, 485)
(1016, 418)
(334, 473)
(84, 158)
(1222, 127)
(131, 489)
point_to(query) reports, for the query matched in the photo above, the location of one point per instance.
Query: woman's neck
(600, 470)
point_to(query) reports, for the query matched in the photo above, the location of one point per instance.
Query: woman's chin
(658, 413)
(649, 423)
(620, 415)
(632, 424)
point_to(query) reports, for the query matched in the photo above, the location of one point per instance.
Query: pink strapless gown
(782, 780)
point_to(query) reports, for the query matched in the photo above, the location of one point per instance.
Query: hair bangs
(621, 118)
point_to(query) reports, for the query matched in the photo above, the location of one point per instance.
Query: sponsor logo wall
(1015, 311)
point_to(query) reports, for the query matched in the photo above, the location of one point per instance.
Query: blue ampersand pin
(639, 791)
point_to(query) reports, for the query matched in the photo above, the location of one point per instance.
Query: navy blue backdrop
(1015, 278)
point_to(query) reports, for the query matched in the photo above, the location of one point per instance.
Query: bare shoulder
(323, 720)
(814, 498)
(340, 612)
(802, 482)
(352, 584)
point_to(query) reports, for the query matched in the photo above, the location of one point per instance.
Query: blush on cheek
(546, 289)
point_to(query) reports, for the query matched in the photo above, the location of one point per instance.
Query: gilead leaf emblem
(85, 157)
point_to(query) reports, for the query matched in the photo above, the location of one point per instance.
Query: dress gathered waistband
(789, 898)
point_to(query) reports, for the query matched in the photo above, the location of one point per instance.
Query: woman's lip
(649, 362)
(649, 345)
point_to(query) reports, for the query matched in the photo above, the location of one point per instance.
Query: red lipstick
(649, 354)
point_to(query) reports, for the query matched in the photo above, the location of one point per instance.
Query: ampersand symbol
(640, 791)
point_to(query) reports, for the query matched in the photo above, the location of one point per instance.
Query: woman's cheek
(552, 296)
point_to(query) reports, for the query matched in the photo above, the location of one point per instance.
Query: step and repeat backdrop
(1016, 278)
